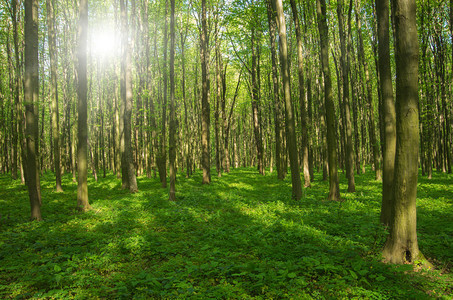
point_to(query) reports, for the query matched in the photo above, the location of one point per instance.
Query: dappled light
(214, 241)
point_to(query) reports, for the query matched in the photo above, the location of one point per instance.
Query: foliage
(240, 237)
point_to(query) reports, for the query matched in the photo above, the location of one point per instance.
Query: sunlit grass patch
(242, 236)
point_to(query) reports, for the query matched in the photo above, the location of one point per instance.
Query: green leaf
(353, 274)
(56, 268)
(292, 275)
(380, 278)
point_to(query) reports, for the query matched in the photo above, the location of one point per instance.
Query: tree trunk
(401, 245)
(82, 125)
(205, 114)
(278, 130)
(349, 152)
(290, 123)
(388, 109)
(172, 133)
(130, 178)
(31, 99)
(369, 98)
(54, 92)
(302, 95)
(255, 106)
(334, 190)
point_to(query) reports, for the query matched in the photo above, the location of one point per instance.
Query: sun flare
(104, 42)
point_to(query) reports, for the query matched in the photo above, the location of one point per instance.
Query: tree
(82, 124)
(334, 189)
(54, 92)
(349, 153)
(278, 128)
(172, 133)
(302, 95)
(401, 245)
(31, 98)
(388, 109)
(290, 123)
(129, 174)
(205, 110)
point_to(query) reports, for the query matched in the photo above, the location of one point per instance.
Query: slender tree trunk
(401, 245)
(31, 99)
(349, 152)
(205, 115)
(172, 133)
(290, 122)
(54, 92)
(255, 106)
(16, 117)
(217, 103)
(129, 178)
(334, 190)
(371, 128)
(276, 98)
(389, 117)
(302, 95)
(82, 124)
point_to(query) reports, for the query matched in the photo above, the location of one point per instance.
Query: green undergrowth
(239, 237)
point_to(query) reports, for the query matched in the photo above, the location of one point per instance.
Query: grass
(240, 237)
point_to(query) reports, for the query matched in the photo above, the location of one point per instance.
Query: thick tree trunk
(401, 245)
(54, 92)
(290, 122)
(205, 114)
(388, 109)
(302, 95)
(82, 125)
(334, 189)
(31, 99)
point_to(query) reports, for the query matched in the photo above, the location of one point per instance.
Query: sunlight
(104, 42)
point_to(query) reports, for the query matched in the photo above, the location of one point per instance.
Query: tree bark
(401, 245)
(54, 92)
(290, 123)
(349, 152)
(334, 189)
(388, 109)
(82, 125)
(255, 105)
(31, 99)
(302, 96)
(205, 114)
(278, 130)
(129, 179)
(172, 133)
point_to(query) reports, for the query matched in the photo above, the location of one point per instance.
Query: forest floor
(240, 237)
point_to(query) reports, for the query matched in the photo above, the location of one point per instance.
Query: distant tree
(31, 99)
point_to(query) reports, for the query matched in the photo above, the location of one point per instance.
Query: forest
(226, 149)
